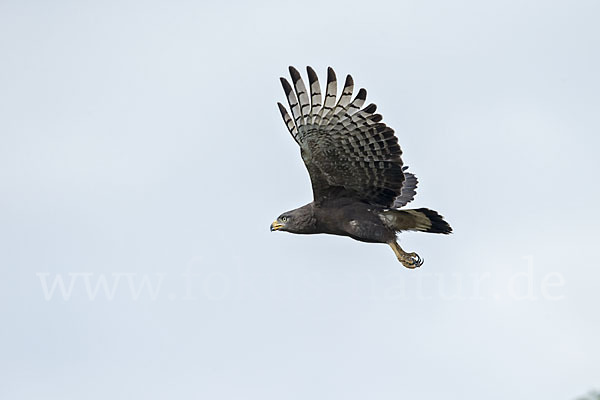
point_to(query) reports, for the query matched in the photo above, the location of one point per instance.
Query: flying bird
(354, 161)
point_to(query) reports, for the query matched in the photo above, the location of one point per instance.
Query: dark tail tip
(438, 225)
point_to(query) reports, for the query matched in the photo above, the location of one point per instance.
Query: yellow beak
(275, 226)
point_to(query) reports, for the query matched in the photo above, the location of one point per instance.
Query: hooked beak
(275, 226)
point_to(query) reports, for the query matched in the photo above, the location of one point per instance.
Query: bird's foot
(411, 260)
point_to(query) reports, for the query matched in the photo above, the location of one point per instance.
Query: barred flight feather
(289, 123)
(301, 95)
(330, 95)
(409, 190)
(293, 102)
(333, 116)
(315, 94)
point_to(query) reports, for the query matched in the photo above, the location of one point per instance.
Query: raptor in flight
(354, 161)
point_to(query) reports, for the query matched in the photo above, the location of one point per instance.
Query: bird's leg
(409, 260)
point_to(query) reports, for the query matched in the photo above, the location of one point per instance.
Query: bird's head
(282, 223)
(300, 220)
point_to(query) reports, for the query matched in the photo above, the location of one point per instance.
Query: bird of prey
(354, 161)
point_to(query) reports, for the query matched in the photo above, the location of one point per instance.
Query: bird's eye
(284, 219)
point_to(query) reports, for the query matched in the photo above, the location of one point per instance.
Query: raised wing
(347, 150)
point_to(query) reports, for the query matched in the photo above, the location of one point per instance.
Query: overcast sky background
(141, 140)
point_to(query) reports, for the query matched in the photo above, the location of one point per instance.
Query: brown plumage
(355, 166)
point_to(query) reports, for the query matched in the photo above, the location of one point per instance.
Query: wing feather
(409, 190)
(293, 103)
(315, 94)
(289, 123)
(356, 104)
(334, 115)
(330, 95)
(301, 95)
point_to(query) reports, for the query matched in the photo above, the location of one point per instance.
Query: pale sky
(141, 148)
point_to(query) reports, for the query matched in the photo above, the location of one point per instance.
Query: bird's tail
(420, 219)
